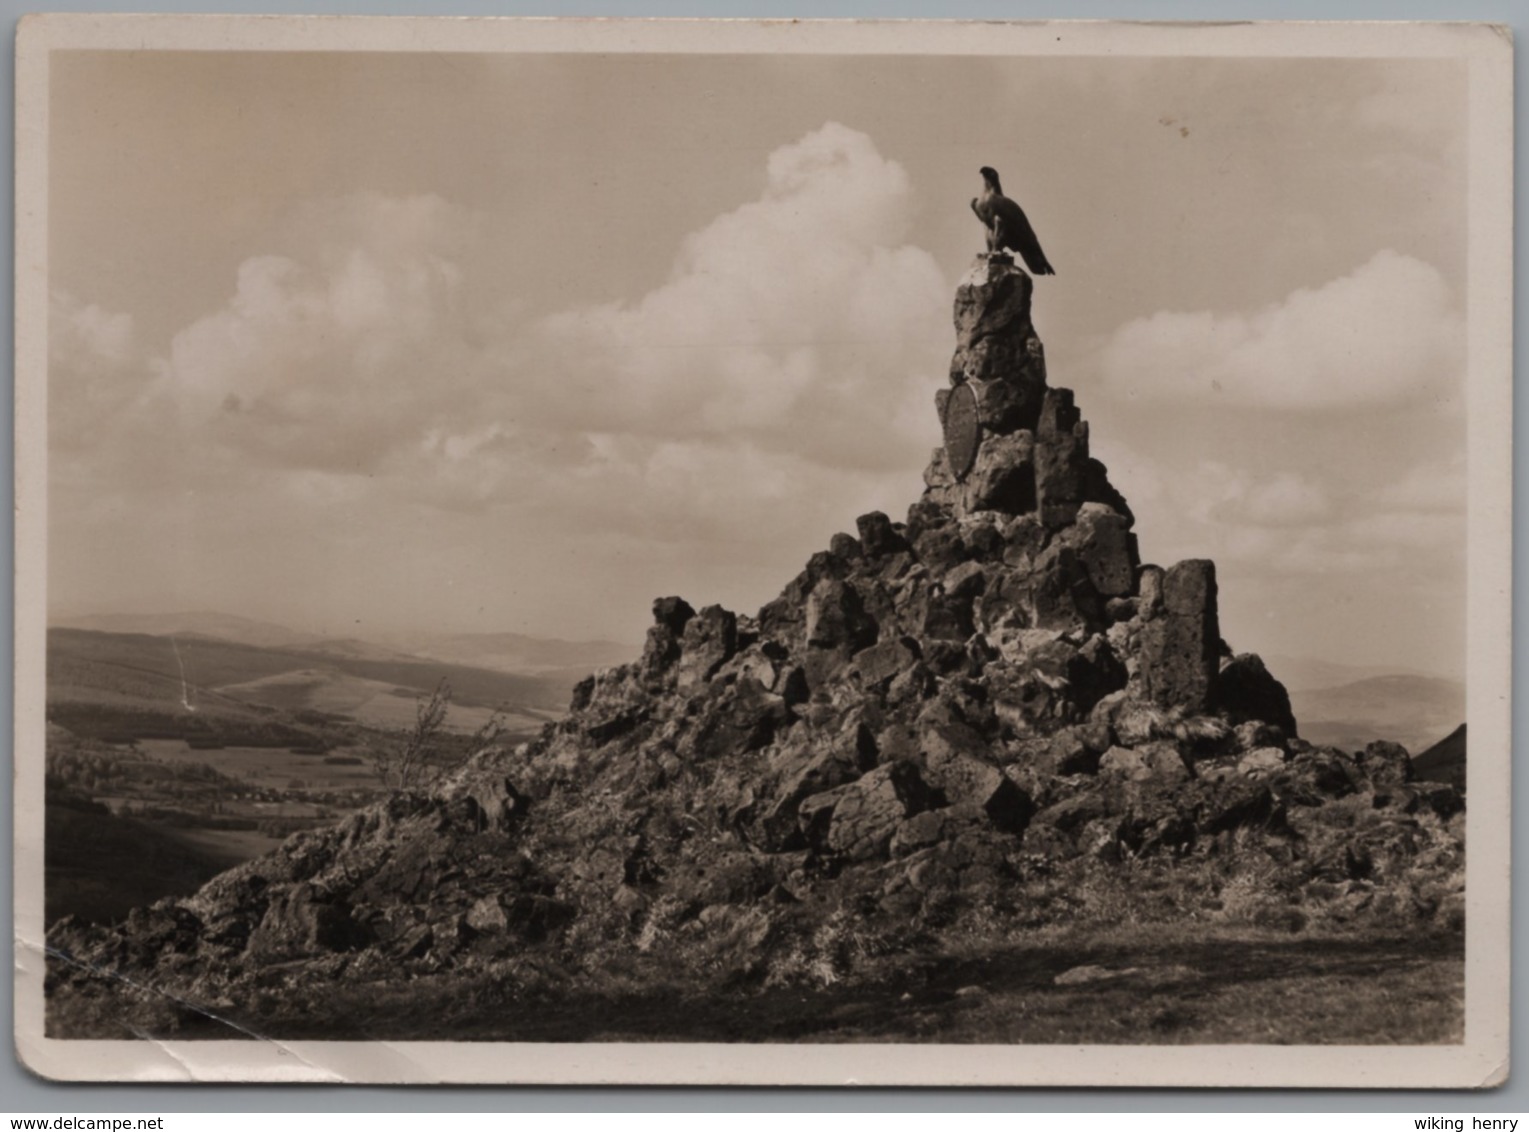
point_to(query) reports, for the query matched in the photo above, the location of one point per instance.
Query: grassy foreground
(1144, 984)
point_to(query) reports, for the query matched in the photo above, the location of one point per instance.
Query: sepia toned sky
(377, 343)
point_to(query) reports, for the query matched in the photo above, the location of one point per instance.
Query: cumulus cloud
(1388, 333)
(335, 360)
(791, 355)
(780, 378)
(800, 322)
(1294, 524)
(81, 334)
(94, 369)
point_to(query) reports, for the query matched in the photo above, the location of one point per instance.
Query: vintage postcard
(762, 552)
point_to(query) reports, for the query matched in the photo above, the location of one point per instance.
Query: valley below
(172, 757)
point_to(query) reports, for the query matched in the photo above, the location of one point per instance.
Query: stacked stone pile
(932, 714)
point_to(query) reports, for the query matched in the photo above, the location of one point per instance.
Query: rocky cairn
(985, 718)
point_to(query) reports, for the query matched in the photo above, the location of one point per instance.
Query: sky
(383, 343)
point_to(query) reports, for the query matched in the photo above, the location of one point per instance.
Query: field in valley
(125, 826)
(172, 759)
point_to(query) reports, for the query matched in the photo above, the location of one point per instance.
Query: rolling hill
(1444, 761)
(235, 666)
(516, 652)
(204, 623)
(83, 842)
(125, 682)
(1415, 711)
(1309, 673)
(237, 671)
(207, 664)
(375, 703)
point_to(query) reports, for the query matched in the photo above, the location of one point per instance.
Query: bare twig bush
(427, 753)
(408, 763)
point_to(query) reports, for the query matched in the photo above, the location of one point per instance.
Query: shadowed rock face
(929, 713)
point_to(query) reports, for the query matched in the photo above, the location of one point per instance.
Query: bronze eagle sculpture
(1007, 226)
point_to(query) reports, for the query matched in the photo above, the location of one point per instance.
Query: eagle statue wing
(1014, 231)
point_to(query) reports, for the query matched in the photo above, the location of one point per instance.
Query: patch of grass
(1230, 989)
(1147, 984)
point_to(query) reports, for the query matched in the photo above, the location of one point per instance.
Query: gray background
(22, 1092)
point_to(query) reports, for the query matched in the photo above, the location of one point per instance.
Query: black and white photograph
(748, 552)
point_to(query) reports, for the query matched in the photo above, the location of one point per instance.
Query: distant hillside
(1444, 761)
(223, 626)
(128, 671)
(86, 846)
(561, 663)
(1307, 674)
(125, 677)
(375, 703)
(1415, 711)
(117, 687)
(516, 652)
(358, 649)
